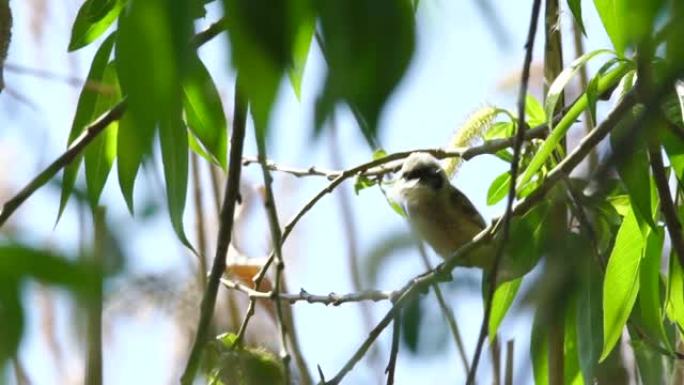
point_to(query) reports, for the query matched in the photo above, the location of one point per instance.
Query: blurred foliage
(228, 364)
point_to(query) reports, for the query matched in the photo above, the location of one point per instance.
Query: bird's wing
(463, 203)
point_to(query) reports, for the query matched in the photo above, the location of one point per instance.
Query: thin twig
(667, 208)
(276, 236)
(211, 32)
(224, 235)
(520, 135)
(199, 220)
(394, 350)
(304, 296)
(446, 311)
(87, 136)
(93, 369)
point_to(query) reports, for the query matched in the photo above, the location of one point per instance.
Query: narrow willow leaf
(571, 367)
(499, 130)
(556, 88)
(92, 20)
(204, 111)
(539, 349)
(540, 158)
(613, 19)
(650, 286)
(576, 9)
(173, 138)
(84, 115)
(302, 42)
(134, 142)
(499, 188)
(635, 170)
(100, 153)
(621, 284)
(534, 111)
(589, 319)
(12, 319)
(502, 301)
(592, 88)
(675, 292)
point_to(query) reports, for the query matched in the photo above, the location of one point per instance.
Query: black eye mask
(430, 176)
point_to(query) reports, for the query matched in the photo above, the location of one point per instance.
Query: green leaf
(204, 111)
(411, 319)
(85, 113)
(534, 111)
(231, 364)
(592, 88)
(539, 348)
(589, 319)
(502, 301)
(621, 283)
(674, 148)
(134, 142)
(634, 171)
(262, 39)
(540, 158)
(650, 285)
(100, 153)
(302, 43)
(151, 52)
(499, 130)
(12, 320)
(526, 243)
(498, 190)
(674, 307)
(556, 88)
(368, 46)
(649, 362)
(571, 367)
(173, 138)
(612, 13)
(576, 9)
(362, 182)
(93, 19)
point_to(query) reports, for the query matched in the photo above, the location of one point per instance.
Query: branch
(394, 350)
(420, 283)
(87, 136)
(506, 219)
(214, 30)
(230, 197)
(304, 296)
(674, 227)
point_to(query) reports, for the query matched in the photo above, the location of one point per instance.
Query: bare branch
(304, 296)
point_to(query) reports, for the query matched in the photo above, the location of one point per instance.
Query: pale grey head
(422, 171)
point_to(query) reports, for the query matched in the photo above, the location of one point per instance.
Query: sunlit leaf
(499, 130)
(592, 88)
(650, 286)
(93, 19)
(558, 133)
(302, 43)
(100, 153)
(85, 113)
(539, 349)
(499, 188)
(675, 298)
(231, 364)
(612, 13)
(621, 283)
(502, 301)
(204, 110)
(556, 88)
(534, 111)
(354, 33)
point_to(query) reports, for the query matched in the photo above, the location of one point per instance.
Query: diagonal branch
(667, 208)
(87, 136)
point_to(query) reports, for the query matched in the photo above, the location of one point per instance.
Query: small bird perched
(438, 212)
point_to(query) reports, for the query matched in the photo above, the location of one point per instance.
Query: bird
(439, 212)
